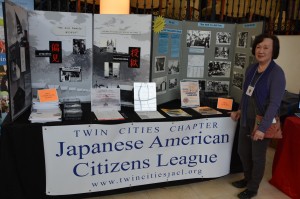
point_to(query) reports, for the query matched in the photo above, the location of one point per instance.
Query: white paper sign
(144, 96)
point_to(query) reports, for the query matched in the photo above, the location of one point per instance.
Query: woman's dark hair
(259, 38)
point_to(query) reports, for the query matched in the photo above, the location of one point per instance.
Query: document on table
(206, 110)
(149, 115)
(176, 112)
(106, 99)
(109, 115)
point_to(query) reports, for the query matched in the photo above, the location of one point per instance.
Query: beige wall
(289, 60)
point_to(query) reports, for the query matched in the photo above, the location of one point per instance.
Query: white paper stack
(42, 112)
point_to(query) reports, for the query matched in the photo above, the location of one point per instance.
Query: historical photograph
(238, 79)
(219, 87)
(161, 85)
(202, 84)
(70, 74)
(240, 60)
(79, 46)
(221, 52)
(112, 70)
(242, 38)
(160, 63)
(219, 69)
(173, 67)
(223, 38)
(173, 83)
(197, 38)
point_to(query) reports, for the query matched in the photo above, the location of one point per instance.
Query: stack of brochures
(43, 112)
(72, 109)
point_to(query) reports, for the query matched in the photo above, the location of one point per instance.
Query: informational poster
(18, 67)
(61, 44)
(121, 50)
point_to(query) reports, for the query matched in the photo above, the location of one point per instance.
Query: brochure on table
(215, 54)
(189, 93)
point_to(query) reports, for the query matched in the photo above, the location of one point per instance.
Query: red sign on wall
(56, 51)
(134, 57)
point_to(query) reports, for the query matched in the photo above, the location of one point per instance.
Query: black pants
(253, 156)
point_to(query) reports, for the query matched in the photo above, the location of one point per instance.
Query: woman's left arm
(276, 85)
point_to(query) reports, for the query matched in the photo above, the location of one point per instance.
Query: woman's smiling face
(264, 51)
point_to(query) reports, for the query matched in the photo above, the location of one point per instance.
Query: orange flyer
(48, 95)
(225, 103)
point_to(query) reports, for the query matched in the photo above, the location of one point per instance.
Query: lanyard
(257, 78)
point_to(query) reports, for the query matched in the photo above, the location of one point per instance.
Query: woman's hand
(235, 115)
(258, 135)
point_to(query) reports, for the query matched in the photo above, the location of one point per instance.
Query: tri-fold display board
(76, 53)
(79, 53)
(216, 54)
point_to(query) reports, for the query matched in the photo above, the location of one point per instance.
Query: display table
(22, 158)
(286, 164)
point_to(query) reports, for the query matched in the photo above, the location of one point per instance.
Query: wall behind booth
(289, 61)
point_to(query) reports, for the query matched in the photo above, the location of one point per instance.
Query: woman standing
(263, 91)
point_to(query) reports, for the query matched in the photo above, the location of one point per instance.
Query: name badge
(250, 90)
(274, 121)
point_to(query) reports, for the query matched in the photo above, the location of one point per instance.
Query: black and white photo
(173, 67)
(198, 38)
(221, 52)
(238, 79)
(220, 87)
(219, 69)
(70, 74)
(112, 70)
(173, 83)
(223, 38)
(79, 46)
(240, 60)
(161, 84)
(160, 63)
(242, 38)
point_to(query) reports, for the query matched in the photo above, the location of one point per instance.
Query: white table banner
(96, 157)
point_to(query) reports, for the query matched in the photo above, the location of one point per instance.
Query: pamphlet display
(189, 93)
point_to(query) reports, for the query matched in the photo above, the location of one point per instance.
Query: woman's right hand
(235, 115)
